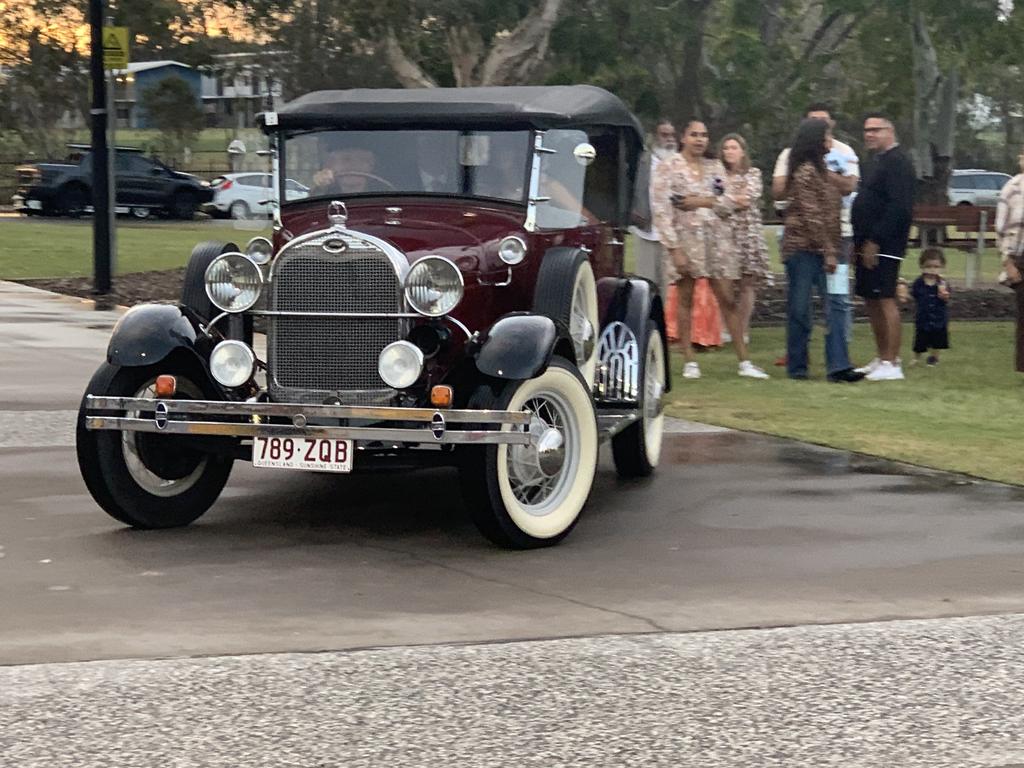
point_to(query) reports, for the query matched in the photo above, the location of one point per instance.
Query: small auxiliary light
(166, 385)
(442, 396)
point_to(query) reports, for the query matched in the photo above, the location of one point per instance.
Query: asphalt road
(736, 531)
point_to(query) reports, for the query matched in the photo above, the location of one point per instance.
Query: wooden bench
(932, 222)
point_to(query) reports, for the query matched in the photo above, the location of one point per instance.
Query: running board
(610, 423)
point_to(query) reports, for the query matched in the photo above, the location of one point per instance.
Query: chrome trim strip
(289, 410)
(530, 225)
(477, 437)
(299, 313)
(458, 324)
(398, 260)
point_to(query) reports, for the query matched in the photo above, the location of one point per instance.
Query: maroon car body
(450, 292)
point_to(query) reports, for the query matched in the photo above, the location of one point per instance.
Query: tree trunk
(408, 72)
(935, 98)
(516, 56)
(690, 101)
(513, 57)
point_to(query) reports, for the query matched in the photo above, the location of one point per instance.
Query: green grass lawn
(964, 415)
(41, 248)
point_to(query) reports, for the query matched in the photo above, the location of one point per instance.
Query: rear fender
(519, 346)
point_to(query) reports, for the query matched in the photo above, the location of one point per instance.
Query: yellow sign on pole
(115, 47)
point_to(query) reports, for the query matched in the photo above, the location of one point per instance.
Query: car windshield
(490, 164)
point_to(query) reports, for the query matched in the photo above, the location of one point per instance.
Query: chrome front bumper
(249, 419)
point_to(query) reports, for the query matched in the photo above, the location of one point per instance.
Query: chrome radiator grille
(315, 358)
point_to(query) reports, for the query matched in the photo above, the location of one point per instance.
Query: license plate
(315, 453)
(35, 205)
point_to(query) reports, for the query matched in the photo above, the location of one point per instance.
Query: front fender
(519, 346)
(148, 333)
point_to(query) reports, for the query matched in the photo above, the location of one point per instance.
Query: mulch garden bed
(988, 303)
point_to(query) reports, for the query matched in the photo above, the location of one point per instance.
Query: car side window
(141, 165)
(562, 180)
(994, 182)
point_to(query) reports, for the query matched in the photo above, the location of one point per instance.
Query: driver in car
(348, 170)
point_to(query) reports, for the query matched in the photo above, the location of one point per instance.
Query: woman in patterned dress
(691, 206)
(744, 182)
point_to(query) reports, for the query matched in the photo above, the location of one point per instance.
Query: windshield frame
(281, 171)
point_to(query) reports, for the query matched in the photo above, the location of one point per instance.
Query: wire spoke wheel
(526, 496)
(156, 463)
(637, 448)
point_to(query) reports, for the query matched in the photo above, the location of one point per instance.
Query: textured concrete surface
(934, 694)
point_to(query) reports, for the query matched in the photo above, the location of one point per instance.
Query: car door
(137, 184)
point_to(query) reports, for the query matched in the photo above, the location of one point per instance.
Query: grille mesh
(311, 358)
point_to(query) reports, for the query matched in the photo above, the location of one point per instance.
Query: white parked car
(971, 186)
(244, 195)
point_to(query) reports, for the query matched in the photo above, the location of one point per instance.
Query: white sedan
(245, 195)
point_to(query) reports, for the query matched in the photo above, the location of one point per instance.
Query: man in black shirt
(882, 214)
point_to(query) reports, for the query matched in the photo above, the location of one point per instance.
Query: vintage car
(451, 292)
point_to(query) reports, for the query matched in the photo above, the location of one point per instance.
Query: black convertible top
(535, 106)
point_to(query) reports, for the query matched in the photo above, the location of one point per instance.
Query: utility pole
(100, 155)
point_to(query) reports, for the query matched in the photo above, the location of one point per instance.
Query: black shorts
(880, 282)
(931, 339)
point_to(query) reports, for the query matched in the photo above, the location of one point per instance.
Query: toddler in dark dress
(931, 293)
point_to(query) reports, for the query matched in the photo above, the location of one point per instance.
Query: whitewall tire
(532, 495)
(637, 449)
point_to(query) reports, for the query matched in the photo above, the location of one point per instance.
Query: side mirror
(236, 147)
(156, 171)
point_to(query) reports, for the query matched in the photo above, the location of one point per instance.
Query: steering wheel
(360, 174)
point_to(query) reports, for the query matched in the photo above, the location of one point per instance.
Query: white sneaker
(870, 367)
(751, 371)
(886, 371)
(691, 371)
(726, 337)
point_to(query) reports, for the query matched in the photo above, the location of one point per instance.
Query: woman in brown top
(809, 249)
(690, 205)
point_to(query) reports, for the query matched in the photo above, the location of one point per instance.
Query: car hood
(468, 234)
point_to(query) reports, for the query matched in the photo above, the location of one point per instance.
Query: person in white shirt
(647, 247)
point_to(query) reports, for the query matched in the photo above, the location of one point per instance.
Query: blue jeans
(805, 272)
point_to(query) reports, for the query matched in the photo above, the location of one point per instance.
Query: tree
(171, 107)
(413, 43)
(46, 85)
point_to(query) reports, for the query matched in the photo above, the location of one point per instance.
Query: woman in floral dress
(744, 182)
(691, 205)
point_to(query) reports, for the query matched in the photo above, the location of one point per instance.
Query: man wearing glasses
(882, 214)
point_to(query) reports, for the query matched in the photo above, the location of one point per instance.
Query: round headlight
(231, 363)
(512, 250)
(259, 249)
(400, 364)
(433, 286)
(233, 282)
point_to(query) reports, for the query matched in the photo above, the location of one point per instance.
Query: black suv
(144, 186)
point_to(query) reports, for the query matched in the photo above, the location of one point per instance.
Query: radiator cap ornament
(337, 213)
